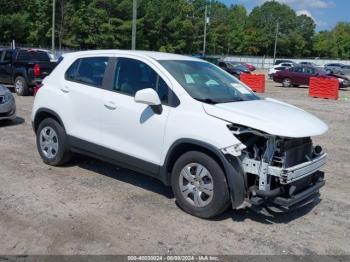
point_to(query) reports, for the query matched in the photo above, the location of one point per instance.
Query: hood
(270, 116)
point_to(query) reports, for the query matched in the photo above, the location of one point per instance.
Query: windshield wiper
(207, 100)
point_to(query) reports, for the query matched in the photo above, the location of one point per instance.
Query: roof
(149, 54)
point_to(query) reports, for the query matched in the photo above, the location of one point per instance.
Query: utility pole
(276, 37)
(53, 26)
(134, 17)
(205, 29)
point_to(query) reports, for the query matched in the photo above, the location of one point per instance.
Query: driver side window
(132, 75)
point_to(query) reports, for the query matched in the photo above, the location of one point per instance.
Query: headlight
(341, 80)
(7, 97)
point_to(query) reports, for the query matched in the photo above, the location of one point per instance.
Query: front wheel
(199, 185)
(52, 144)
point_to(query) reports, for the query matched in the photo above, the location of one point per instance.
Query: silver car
(333, 68)
(345, 70)
(7, 104)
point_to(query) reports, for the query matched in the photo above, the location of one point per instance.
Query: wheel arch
(232, 172)
(20, 72)
(43, 113)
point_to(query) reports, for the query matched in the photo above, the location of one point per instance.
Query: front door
(132, 129)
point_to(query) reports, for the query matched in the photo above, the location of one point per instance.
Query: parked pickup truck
(23, 68)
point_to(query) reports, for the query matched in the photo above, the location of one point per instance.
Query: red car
(297, 76)
(249, 67)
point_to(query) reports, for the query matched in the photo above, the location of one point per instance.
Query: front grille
(293, 151)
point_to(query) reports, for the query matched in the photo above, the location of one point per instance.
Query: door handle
(65, 89)
(110, 105)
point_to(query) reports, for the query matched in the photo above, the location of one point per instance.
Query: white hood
(270, 116)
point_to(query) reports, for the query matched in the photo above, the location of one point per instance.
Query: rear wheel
(52, 143)
(287, 82)
(199, 185)
(21, 86)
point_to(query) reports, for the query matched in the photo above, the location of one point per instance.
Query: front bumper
(7, 111)
(297, 198)
(297, 185)
(344, 84)
(291, 196)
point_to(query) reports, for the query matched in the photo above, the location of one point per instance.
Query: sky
(326, 13)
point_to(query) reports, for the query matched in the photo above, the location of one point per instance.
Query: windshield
(207, 83)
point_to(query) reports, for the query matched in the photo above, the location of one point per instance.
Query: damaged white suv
(184, 121)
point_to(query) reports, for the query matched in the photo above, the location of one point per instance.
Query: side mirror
(147, 96)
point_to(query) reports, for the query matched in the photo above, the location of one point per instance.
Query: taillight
(36, 88)
(37, 70)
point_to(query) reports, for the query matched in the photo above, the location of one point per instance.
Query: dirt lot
(90, 207)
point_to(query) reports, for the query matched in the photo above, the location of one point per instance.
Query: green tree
(341, 39)
(262, 24)
(237, 19)
(172, 26)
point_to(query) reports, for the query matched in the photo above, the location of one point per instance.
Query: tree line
(172, 26)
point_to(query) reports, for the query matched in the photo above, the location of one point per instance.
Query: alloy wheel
(48, 141)
(19, 86)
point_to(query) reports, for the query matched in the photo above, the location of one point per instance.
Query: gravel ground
(91, 207)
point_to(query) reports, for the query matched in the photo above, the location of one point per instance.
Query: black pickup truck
(23, 68)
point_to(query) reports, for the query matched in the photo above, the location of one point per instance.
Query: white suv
(184, 121)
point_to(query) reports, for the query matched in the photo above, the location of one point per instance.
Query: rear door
(6, 69)
(83, 87)
(298, 76)
(309, 72)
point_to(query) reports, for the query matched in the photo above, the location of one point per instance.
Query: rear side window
(309, 71)
(1, 52)
(8, 55)
(89, 71)
(33, 55)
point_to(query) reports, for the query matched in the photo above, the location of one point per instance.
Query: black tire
(287, 82)
(221, 198)
(21, 87)
(63, 154)
(295, 85)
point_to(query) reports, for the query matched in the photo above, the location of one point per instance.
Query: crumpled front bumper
(285, 198)
(298, 184)
(287, 202)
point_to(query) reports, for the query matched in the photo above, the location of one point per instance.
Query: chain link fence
(260, 62)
